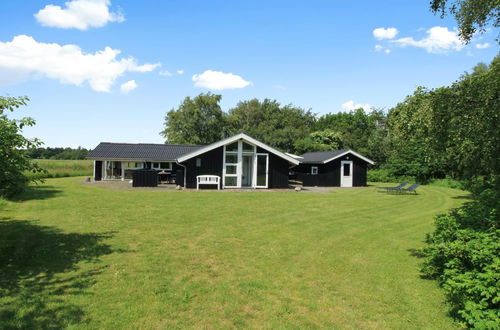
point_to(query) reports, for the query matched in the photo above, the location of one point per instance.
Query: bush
(463, 254)
(384, 175)
(448, 183)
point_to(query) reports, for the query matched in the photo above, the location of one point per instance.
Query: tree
(363, 132)
(268, 121)
(471, 15)
(197, 121)
(320, 141)
(14, 159)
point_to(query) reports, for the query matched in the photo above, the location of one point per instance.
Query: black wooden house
(336, 168)
(240, 161)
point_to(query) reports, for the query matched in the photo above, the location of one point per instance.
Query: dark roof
(140, 151)
(320, 156)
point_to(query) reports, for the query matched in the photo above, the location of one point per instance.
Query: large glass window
(113, 170)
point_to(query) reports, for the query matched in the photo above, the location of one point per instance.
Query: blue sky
(328, 56)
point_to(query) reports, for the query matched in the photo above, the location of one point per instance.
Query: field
(59, 168)
(80, 256)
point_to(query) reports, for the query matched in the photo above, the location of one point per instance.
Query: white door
(346, 173)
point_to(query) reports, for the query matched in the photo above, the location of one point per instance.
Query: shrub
(448, 183)
(463, 254)
(384, 175)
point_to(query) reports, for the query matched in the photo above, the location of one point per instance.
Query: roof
(236, 138)
(140, 151)
(323, 157)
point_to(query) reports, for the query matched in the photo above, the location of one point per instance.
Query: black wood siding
(278, 170)
(98, 170)
(329, 174)
(211, 164)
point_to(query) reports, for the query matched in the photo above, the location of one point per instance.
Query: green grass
(82, 256)
(58, 168)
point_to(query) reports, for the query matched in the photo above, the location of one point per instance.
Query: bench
(207, 179)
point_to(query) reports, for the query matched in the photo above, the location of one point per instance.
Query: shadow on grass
(32, 260)
(37, 192)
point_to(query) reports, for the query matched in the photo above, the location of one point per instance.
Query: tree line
(58, 153)
(433, 133)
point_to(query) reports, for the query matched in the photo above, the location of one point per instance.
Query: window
(162, 165)
(232, 147)
(231, 158)
(230, 181)
(166, 166)
(347, 169)
(198, 162)
(247, 147)
(314, 170)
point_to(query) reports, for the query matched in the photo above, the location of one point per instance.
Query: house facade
(240, 161)
(336, 168)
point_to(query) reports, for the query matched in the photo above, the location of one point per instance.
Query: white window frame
(255, 170)
(239, 165)
(314, 170)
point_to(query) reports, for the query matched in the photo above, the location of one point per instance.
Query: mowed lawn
(80, 256)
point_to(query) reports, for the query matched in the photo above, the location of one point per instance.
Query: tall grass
(58, 168)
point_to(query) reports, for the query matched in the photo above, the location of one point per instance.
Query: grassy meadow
(59, 168)
(80, 256)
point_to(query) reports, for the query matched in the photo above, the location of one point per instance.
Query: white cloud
(387, 51)
(165, 73)
(180, 71)
(381, 33)
(483, 46)
(217, 80)
(128, 86)
(350, 105)
(438, 40)
(66, 63)
(78, 14)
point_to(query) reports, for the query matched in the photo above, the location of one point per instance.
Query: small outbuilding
(335, 168)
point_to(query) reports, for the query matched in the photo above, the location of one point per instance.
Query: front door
(346, 173)
(262, 167)
(246, 175)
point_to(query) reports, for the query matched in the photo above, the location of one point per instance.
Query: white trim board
(350, 152)
(233, 139)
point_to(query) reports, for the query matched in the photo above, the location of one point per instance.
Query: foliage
(385, 175)
(363, 132)
(268, 121)
(58, 153)
(198, 120)
(320, 141)
(463, 253)
(149, 259)
(472, 16)
(14, 159)
(450, 130)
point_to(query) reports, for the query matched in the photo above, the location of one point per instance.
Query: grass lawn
(80, 256)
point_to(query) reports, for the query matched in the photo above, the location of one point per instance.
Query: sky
(99, 70)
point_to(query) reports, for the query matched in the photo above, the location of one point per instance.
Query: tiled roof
(140, 151)
(320, 156)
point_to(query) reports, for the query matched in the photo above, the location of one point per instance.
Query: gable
(235, 138)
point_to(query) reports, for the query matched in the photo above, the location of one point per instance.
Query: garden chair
(410, 190)
(400, 186)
